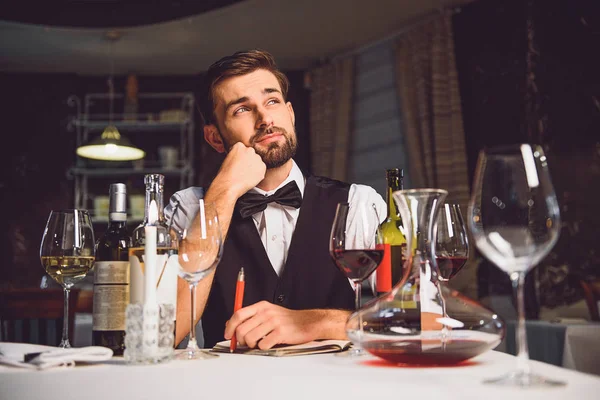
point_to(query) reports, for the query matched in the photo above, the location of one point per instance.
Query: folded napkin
(56, 357)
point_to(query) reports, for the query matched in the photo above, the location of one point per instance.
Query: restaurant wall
(528, 72)
(37, 150)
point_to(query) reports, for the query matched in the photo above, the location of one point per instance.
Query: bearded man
(294, 293)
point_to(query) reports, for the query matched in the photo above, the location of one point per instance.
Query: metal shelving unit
(166, 115)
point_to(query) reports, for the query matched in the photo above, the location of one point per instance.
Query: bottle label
(111, 272)
(110, 302)
(384, 271)
(111, 295)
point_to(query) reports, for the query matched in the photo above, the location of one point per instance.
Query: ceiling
(298, 33)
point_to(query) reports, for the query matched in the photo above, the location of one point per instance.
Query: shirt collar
(294, 175)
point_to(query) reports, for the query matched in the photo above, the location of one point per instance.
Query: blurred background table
(570, 344)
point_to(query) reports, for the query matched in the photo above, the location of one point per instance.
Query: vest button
(280, 298)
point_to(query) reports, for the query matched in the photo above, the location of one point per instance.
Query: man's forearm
(329, 324)
(224, 200)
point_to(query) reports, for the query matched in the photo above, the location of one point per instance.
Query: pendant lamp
(111, 145)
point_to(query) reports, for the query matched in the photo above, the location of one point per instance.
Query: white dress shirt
(276, 224)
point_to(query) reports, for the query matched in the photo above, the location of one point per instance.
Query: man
(294, 292)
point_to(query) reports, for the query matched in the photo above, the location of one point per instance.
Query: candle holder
(149, 335)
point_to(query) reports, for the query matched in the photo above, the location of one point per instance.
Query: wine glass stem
(358, 292)
(192, 343)
(518, 284)
(64, 343)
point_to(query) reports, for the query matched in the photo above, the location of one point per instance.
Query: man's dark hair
(237, 64)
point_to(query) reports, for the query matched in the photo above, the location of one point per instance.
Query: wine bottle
(111, 276)
(166, 246)
(390, 271)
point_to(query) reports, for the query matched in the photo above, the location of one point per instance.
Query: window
(377, 142)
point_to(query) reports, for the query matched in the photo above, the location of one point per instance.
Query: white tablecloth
(305, 377)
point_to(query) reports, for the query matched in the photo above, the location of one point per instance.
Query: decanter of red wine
(421, 321)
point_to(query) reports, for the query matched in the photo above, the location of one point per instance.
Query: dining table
(319, 376)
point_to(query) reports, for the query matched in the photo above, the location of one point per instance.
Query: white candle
(150, 256)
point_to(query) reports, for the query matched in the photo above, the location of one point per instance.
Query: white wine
(111, 276)
(67, 270)
(166, 274)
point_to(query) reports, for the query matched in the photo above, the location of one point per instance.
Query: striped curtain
(428, 89)
(332, 88)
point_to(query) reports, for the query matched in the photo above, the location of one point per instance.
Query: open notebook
(284, 350)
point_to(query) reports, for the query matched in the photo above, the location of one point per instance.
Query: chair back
(34, 315)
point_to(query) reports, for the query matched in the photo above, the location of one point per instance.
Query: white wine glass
(515, 221)
(356, 256)
(200, 247)
(67, 253)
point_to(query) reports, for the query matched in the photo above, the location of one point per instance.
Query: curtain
(430, 102)
(331, 98)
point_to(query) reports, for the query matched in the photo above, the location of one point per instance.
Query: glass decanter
(422, 321)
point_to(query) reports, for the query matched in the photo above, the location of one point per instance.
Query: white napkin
(56, 357)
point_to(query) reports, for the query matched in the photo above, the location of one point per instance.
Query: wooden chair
(35, 315)
(591, 293)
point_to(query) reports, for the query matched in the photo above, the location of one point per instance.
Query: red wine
(358, 264)
(426, 352)
(449, 266)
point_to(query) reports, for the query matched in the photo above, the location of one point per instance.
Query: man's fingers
(241, 332)
(271, 339)
(239, 317)
(258, 333)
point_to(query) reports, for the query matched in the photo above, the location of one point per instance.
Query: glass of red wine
(452, 244)
(356, 246)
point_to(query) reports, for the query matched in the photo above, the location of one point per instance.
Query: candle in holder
(150, 255)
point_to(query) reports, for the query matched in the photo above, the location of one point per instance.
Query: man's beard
(276, 154)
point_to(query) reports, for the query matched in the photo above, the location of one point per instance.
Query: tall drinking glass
(67, 253)
(357, 256)
(515, 221)
(200, 250)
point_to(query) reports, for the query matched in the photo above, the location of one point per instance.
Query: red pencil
(237, 304)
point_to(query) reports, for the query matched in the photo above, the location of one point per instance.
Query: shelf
(158, 120)
(131, 126)
(79, 171)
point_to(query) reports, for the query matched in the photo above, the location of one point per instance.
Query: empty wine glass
(515, 221)
(200, 250)
(452, 244)
(356, 256)
(67, 252)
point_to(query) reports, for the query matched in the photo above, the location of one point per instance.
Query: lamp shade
(110, 146)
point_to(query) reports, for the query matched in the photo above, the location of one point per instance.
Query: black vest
(309, 279)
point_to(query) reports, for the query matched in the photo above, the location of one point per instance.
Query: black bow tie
(251, 203)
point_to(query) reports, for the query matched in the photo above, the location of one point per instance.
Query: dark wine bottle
(111, 275)
(391, 271)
